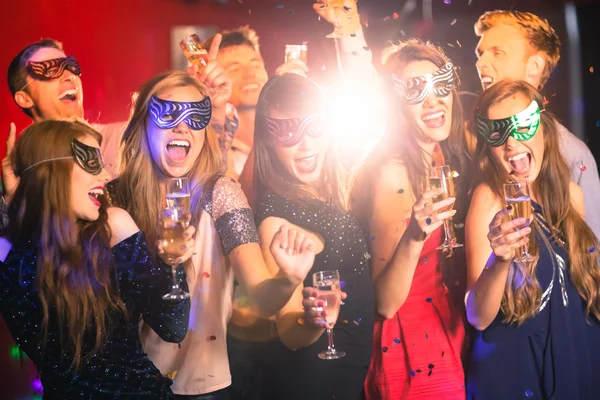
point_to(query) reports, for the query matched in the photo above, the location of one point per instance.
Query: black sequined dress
(301, 374)
(121, 370)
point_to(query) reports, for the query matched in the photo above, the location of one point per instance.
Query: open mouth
(434, 119)
(486, 81)
(178, 149)
(520, 163)
(68, 95)
(95, 195)
(306, 165)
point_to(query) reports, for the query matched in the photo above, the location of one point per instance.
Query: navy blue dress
(120, 370)
(554, 355)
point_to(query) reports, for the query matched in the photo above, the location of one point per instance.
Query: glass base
(331, 355)
(450, 245)
(176, 294)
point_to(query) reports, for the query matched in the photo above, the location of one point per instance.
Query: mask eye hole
(495, 135)
(523, 129)
(413, 94)
(167, 117)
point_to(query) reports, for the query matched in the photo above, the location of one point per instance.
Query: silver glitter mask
(415, 90)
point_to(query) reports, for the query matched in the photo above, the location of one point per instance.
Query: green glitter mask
(522, 126)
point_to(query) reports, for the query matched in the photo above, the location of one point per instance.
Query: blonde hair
(138, 188)
(537, 31)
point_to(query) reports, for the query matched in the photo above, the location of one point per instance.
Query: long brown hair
(400, 140)
(138, 189)
(74, 266)
(522, 295)
(292, 93)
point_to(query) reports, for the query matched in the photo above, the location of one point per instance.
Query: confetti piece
(428, 299)
(455, 174)
(447, 1)
(591, 69)
(592, 249)
(386, 18)
(205, 275)
(371, 237)
(402, 33)
(291, 11)
(280, 6)
(413, 373)
(212, 337)
(453, 21)
(451, 45)
(356, 323)
(418, 371)
(431, 366)
(342, 284)
(301, 321)
(598, 123)
(367, 256)
(179, 345)
(426, 336)
(249, 12)
(397, 340)
(458, 43)
(430, 372)
(171, 375)
(443, 354)
(345, 321)
(395, 15)
(400, 191)
(425, 260)
(528, 393)
(384, 349)
(582, 168)
(470, 1)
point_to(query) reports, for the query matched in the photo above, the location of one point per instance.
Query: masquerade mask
(168, 114)
(52, 69)
(289, 132)
(522, 126)
(415, 90)
(87, 157)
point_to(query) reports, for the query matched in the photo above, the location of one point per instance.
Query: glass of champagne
(173, 221)
(443, 177)
(296, 51)
(330, 293)
(516, 194)
(338, 7)
(178, 193)
(194, 52)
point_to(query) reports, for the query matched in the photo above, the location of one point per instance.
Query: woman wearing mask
(419, 333)
(169, 137)
(300, 182)
(71, 304)
(536, 319)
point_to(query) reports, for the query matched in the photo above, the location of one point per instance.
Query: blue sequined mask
(168, 114)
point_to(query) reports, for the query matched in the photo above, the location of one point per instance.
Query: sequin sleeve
(146, 281)
(234, 220)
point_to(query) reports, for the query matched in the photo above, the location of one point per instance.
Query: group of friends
(82, 272)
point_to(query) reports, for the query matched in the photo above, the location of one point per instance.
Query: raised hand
(506, 237)
(213, 76)
(9, 180)
(294, 253)
(426, 217)
(345, 19)
(294, 66)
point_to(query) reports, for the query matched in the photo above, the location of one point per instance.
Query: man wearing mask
(522, 46)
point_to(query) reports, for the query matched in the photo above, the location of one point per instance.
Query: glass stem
(174, 272)
(447, 232)
(330, 346)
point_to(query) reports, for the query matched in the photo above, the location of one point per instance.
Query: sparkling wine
(194, 52)
(331, 297)
(447, 184)
(295, 51)
(521, 207)
(171, 236)
(179, 200)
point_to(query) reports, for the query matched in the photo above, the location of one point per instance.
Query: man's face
(60, 97)
(246, 68)
(502, 53)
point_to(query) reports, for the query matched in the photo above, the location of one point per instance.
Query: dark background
(122, 43)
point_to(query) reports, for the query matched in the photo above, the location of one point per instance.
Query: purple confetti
(528, 393)
(37, 385)
(447, 1)
(384, 349)
(413, 373)
(592, 249)
(342, 284)
(430, 372)
(371, 237)
(397, 340)
(428, 299)
(425, 260)
(431, 366)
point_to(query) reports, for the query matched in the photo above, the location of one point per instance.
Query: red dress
(417, 353)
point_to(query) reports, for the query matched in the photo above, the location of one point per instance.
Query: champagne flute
(442, 177)
(516, 194)
(330, 293)
(338, 7)
(178, 193)
(296, 51)
(173, 221)
(194, 52)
